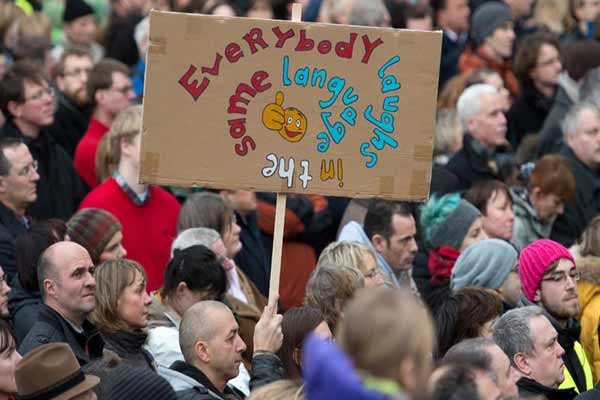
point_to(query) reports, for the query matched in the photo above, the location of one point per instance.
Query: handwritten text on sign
(292, 97)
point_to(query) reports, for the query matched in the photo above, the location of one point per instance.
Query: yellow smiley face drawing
(294, 128)
(289, 122)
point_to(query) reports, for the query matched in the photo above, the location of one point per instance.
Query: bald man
(67, 285)
(212, 349)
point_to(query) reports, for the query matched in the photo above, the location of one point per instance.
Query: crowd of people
(490, 289)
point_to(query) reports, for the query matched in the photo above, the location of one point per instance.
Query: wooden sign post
(289, 107)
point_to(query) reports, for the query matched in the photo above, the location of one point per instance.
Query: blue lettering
(301, 76)
(386, 123)
(284, 75)
(373, 156)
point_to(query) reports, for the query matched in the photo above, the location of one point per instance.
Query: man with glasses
(109, 91)
(549, 279)
(18, 189)
(73, 111)
(27, 102)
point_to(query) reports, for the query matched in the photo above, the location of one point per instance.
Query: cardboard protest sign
(289, 107)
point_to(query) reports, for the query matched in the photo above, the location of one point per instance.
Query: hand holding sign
(289, 122)
(267, 333)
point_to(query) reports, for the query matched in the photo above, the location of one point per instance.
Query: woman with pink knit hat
(549, 279)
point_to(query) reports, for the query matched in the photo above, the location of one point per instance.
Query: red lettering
(237, 98)
(237, 127)
(344, 49)
(192, 87)
(241, 149)
(214, 70)
(233, 52)
(369, 47)
(324, 46)
(254, 37)
(282, 37)
(257, 80)
(304, 44)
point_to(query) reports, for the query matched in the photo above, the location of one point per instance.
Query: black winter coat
(550, 136)
(10, 227)
(70, 123)
(583, 207)
(252, 259)
(59, 190)
(472, 163)
(51, 327)
(529, 388)
(527, 114)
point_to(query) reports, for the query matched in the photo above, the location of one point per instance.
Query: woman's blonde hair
(284, 389)
(112, 278)
(351, 254)
(126, 126)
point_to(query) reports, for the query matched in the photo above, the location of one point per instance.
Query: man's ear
(202, 352)
(50, 288)
(379, 242)
(15, 109)
(522, 364)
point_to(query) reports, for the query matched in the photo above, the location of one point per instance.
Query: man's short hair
(456, 382)
(571, 121)
(73, 51)
(526, 57)
(473, 352)
(197, 324)
(7, 143)
(378, 219)
(101, 77)
(12, 85)
(470, 102)
(46, 269)
(512, 331)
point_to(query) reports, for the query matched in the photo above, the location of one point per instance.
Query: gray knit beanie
(453, 230)
(487, 18)
(134, 383)
(485, 264)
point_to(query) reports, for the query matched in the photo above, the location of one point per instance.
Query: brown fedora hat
(51, 372)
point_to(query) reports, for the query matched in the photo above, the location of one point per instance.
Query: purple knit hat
(535, 259)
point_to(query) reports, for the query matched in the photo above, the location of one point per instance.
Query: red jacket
(148, 230)
(85, 153)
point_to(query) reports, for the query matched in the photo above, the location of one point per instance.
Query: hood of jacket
(524, 210)
(589, 285)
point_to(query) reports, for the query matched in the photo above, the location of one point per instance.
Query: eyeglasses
(124, 90)
(29, 169)
(562, 277)
(38, 96)
(77, 71)
(372, 273)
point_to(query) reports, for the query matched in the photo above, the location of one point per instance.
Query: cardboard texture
(289, 107)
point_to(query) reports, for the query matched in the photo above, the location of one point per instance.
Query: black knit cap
(133, 383)
(75, 9)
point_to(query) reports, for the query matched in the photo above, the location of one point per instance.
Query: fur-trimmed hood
(588, 267)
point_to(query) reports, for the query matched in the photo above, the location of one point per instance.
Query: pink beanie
(535, 259)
